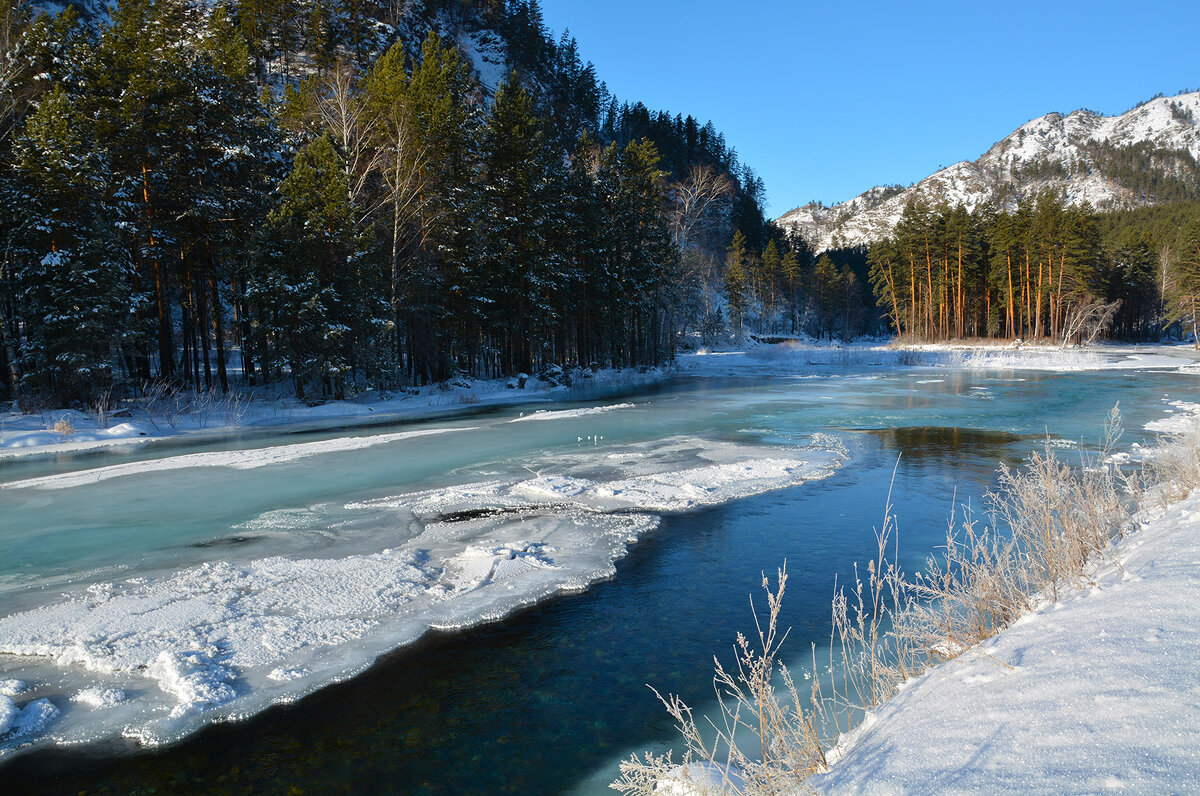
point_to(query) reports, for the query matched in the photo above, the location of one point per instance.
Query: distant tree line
(1046, 270)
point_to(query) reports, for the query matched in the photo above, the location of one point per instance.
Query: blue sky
(827, 99)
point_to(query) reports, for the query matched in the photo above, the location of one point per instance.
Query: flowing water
(515, 576)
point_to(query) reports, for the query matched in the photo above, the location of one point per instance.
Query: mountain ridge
(1145, 156)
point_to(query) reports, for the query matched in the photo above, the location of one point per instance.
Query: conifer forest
(184, 182)
(305, 193)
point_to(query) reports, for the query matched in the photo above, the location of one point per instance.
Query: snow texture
(99, 697)
(1097, 692)
(154, 657)
(563, 414)
(1185, 415)
(33, 434)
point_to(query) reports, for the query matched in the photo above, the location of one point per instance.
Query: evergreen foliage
(261, 189)
(264, 190)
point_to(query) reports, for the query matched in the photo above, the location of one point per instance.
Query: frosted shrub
(202, 406)
(779, 721)
(63, 427)
(1174, 469)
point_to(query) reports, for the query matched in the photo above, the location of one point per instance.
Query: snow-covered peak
(1052, 151)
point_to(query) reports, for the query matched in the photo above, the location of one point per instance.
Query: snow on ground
(65, 430)
(1097, 692)
(68, 430)
(156, 656)
(547, 414)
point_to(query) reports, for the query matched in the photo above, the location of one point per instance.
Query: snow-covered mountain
(1140, 157)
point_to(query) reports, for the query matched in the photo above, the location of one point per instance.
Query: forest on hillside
(324, 195)
(199, 195)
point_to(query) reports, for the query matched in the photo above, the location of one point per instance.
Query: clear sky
(827, 99)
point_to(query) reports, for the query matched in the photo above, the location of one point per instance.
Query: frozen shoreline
(226, 639)
(24, 435)
(34, 434)
(159, 653)
(1099, 691)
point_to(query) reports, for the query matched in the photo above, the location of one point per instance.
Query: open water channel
(476, 604)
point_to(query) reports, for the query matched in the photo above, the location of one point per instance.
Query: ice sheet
(156, 656)
(1184, 415)
(563, 414)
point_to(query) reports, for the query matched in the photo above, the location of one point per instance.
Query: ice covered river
(146, 595)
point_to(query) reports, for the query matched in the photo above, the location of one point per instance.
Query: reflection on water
(935, 443)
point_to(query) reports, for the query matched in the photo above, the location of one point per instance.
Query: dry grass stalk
(64, 428)
(1174, 469)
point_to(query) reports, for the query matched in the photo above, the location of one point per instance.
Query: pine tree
(1182, 289)
(73, 275)
(316, 282)
(519, 265)
(438, 94)
(825, 294)
(736, 281)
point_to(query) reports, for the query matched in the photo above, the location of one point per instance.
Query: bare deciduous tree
(1087, 320)
(341, 110)
(699, 221)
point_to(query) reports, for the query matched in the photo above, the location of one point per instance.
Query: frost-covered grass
(1065, 536)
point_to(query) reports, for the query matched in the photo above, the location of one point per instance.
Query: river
(258, 610)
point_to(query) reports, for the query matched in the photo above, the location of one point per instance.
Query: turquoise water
(550, 698)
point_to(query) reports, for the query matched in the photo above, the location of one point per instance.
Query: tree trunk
(166, 347)
(1012, 314)
(219, 334)
(1037, 321)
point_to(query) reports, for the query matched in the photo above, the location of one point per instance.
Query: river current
(475, 605)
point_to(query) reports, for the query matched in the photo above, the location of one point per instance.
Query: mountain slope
(1144, 156)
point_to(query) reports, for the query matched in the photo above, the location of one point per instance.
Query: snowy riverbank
(1093, 691)
(1099, 691)
(133, 606)
(171, 610)
(214, 416)
(798, 358)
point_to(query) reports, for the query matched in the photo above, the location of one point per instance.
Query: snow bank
(790, 358)
(1099, 691)
(1184, 416)
(670, 475)
(70, 431)
(563, 414)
